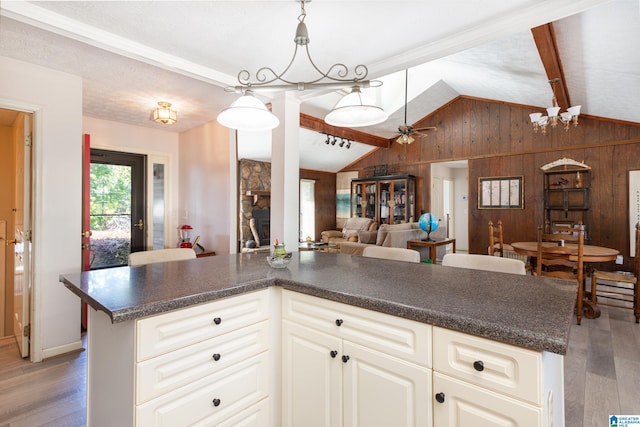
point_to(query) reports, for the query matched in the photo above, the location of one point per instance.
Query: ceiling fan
(405, 131)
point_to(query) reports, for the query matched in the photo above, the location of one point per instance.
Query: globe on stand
(428, 222)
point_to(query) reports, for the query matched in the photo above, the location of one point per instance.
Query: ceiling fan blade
(426, 128)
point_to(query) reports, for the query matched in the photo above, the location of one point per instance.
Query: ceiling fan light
(355, 110)
(405, 139)
(248, 113)
(535, 117)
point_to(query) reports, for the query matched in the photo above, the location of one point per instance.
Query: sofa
(350, 230)
(394, 236)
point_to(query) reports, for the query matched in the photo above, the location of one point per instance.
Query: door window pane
(158, 206)
(110, 215)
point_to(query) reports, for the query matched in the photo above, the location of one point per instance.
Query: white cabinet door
(460, 404)
(311, 377)
(380, 390)
(402, 338)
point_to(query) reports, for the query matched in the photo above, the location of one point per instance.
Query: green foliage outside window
(110, 197)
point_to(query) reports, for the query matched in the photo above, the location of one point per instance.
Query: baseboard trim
(62, 349)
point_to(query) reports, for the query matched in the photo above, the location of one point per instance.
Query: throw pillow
(368, 237)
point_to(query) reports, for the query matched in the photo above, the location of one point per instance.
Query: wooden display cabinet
(385, 199)
(567, 195)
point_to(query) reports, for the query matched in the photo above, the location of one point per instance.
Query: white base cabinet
(276, 357)
(345, 366)
(480, 382)
(209, 364)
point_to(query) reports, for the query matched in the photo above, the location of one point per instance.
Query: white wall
(205, 185)
(56, 99)
(461, 207)
(460, 214)
(155, 143)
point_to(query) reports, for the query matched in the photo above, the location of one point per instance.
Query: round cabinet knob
(478, 365)
(216, 402)
(345, 358)
(440, 397)
(333, 353)
(216, 357)
(339, 322)
(217, 320)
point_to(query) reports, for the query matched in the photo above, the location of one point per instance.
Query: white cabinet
(346, 366)
(477, 381)
(208, 364)
(203, 364)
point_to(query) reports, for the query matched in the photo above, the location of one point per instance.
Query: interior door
(117, 207)
(22, 236)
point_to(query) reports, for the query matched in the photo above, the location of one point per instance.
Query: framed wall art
(634, 207)
(501, 192)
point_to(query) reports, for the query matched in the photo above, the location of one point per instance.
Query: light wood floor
(602, 378)
(51, 393)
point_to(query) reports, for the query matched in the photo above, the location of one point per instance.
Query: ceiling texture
(132, 54)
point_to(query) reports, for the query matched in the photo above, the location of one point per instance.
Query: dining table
(590, 254)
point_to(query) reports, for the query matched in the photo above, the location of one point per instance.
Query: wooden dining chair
(619, 289)
(496, 240)
(558, 260)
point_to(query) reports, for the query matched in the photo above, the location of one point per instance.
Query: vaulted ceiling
(133, 54)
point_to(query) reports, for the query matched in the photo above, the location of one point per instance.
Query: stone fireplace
(254, 186)
(263, 225)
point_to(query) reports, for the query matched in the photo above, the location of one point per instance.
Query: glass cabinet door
(399, 201)
(356, 200)
(384, 204)
(369, 202)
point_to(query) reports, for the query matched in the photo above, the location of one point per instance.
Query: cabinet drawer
(402, 338)
(468, 405)
(165, 373)
(234, 389)
(170, 331)
(254, 416)
(504, 368)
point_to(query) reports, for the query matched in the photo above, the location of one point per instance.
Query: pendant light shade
(248, 113)
(355, 110)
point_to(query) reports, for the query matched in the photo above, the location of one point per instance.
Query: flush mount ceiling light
(165, 115)
(570, 116)
(353, 110)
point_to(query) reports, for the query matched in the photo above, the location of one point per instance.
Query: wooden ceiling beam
(545, 39)
(318, 125)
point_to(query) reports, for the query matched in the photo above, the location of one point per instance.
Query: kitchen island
(146, 318)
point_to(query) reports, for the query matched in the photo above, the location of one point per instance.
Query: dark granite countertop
(532, 312)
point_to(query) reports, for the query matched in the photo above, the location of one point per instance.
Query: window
(307, 209)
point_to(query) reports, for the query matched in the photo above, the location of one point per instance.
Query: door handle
(12, 242)
(140, 224)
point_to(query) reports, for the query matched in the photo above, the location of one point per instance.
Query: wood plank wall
(497, 139)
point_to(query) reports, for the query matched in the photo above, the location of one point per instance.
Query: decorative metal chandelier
(352, 110)
(570, 116)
